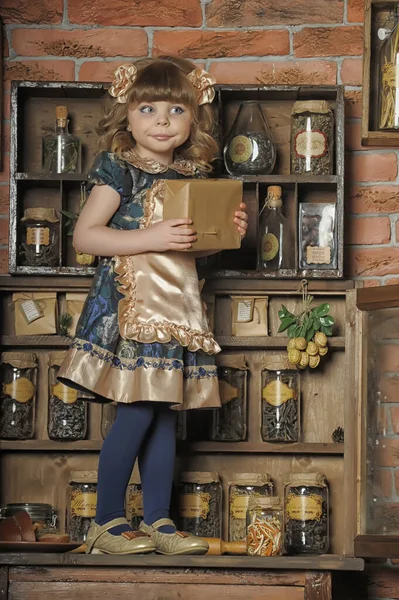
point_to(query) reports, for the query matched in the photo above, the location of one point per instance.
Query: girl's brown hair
(161, 79)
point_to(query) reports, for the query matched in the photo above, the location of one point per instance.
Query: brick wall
(239, 41)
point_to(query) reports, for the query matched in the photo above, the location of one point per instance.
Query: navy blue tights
(145, 430)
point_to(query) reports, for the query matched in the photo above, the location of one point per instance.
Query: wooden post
(318, 585)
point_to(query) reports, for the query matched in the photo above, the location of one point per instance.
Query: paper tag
(194, 506)
(30, 310)
(304, 508)
(244, 311)
(38, 236)
(320, 255)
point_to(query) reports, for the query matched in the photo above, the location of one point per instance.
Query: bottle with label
(280, 406)
(388, 72)
(61, 151)
(306, 512)
(39, 237)
(82, 504)
(200, 503)
(18, 395)
(272, 255)
(312, 138)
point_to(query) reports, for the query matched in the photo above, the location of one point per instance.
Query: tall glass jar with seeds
(229, 423)
(265, 519)
(312, 138)
(388, 66)
(67, 412)
(134, 501)
(243, 487)
(18, 395)
(280, 406)
(81, 504)
(306, 510)
(39, 237)
(200, 503)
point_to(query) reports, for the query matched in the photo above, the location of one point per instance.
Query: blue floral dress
(143, 333)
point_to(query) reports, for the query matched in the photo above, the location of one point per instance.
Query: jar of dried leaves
(200, 503)
(229, 423)
(265, 520)
(81, 504)
(280, 405)
(39, 238)
(134, 501)
(243, 487)
(312, 138)
(18, 395)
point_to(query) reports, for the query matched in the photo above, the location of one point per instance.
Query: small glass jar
(40, 233)
(108, 416)
(82, 504)
(312, 138)
(241, 489)
(134, 501)
(229, 423)
(306, 508)
(18, 395)
(264, 526)
(44, 514)
(201, 503)
(280, 406)
(67, 413)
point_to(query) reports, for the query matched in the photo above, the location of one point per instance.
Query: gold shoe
(99, 541)
(174, 543)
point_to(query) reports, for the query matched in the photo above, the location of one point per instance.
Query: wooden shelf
(373, 546)
(48, 271)
(325, 562)
(266, 342)
(50, 445)
(39, 341)
(51, 177)
(304, 179)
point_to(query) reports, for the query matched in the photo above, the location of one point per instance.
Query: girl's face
(159, 128)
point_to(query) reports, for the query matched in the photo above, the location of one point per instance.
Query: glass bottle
(201, 503)
(306, 511)
(312, 138)
(243, 487)
(108, 416)
(265, 526)
(61, 151)
(272, 231)
(40, 233)
(18, 395)
(250, 148)
(82, 504)
(280, 406)
(229, 422)
(388, 73)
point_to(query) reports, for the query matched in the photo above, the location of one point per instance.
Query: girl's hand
(241, 220)
(169, 235)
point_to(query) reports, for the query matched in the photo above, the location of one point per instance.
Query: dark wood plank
(377, 546)
(318, 586)
(35, 341)
(277, 343)
(4, 583)
(386, 296)
(23, 283)
(219, 285)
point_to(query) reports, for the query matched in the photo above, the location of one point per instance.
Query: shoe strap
(107, 526)
(162, 522)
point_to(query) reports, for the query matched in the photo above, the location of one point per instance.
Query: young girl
(143, 339)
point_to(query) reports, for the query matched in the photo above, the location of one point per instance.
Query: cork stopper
(274, 196)
(264, 502)
(310, 479)
(255, 479)
(61, 112)
(199, 477)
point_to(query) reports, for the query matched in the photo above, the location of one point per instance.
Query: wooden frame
(374, 9)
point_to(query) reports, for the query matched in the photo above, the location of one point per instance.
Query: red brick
(353, 138)
(373, 199)
(4, 228)
(4, 199)
(98, 70)
(368, 230)
(387, 454)
(26, 11)
(389, 386)
(218, 44)
(382, 420)
(388, 358)
(372, 167)
(356, 11)
(164, 13)
(47, 70)
(377, 262)
(353, 104)
(328, 41)
(80, 43)
(351, 71)
(397, 229)
(382, 484)
(392, 281)
(293, 73)
(386, 514)
(371, 283)
(257, 13)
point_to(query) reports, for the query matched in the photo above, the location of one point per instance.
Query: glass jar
(280, 406)
(39, 513)
(108, 416)
(40, 235)
(312, 138)
(201, 503)
(229, 423)
(241, 489)
(250, 148)
(67, 413)
(264, 526)
(61, 151)
(18, 395)
(134, 501)
(306, 514)
(388, 65)
(82, 504)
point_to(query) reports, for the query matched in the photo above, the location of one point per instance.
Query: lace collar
(149, 165)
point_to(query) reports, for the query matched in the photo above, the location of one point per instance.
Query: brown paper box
(249, 316)
(46, 324)
(74, 303)
(210, 204)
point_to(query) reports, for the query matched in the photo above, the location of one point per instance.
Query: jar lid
(55, 359)
(311, 479)
(36, 510)
(278, 362)
(232, 361)
(316, 106)
(40, 214)
(264, 502)
(19, 360)
(251, 479)
(83, 477)
(199, 477)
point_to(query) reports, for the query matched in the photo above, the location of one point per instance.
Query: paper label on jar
(319, 255)
(194, 506)
(30, 310)
(135, 504)
(38, 236)
(21, 389)
(244, 311)
(238, 507)
(311, 144)
(276, 393)
(83, 504)
(304, 508)
(270, 246)
(240, 149)
(65, 393)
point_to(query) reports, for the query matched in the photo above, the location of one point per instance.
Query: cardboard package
(210, 204)
(249, 315)
(35, 313)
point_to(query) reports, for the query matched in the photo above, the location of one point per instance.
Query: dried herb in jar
(280, 406)
(134, 501)
(229, 423)
(200, 502)
(40, 238)
(82, 503)
(306, 514)
(312, 138)
(243, 487)
(264, 527)
(18, 395)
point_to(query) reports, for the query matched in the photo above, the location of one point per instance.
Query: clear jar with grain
(200, 503)
(265, 526)
(242, 488)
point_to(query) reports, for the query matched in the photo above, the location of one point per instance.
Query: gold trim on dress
(149, 165)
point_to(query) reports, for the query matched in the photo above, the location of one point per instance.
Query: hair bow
(125, 76)
(203, 83)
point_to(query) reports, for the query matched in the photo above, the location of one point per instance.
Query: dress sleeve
(109, 170)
